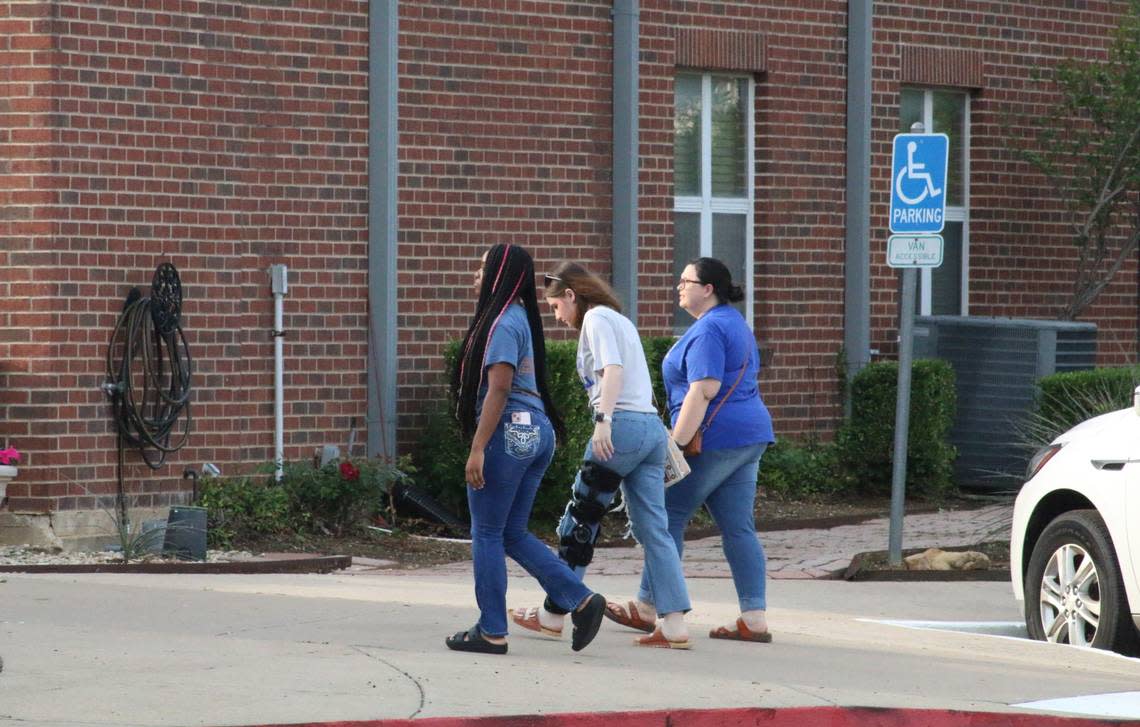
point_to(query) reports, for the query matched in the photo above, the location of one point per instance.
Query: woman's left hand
(474, 469)
(602, 442)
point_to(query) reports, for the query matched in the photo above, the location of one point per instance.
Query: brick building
(227, 136)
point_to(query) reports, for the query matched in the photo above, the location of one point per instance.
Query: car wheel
(1073, 590)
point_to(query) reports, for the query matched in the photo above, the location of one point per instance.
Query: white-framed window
(945, 290)
(713, 177)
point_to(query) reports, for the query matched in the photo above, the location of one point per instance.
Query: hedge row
(1066, 399)
(859, 461)
(865, 442)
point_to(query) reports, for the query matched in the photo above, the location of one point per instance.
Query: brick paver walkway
(808, 553)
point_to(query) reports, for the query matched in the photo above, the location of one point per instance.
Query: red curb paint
(746, 717)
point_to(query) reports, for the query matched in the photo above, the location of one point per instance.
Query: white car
(1075, 545)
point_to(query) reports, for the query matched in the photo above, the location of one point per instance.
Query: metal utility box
(998, 362)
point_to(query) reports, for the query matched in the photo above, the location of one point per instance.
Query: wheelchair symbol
(913, 171)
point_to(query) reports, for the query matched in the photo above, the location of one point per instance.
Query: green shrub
(865, 442)
(655, 349)
(1067, 399)
(336, 498)
(441, 454)
(789, 470)
(243, 508)
(340, 495)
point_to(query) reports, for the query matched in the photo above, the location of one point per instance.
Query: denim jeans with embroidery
(514, 461)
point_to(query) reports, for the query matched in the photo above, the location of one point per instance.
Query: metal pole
(279, 285)
(902, 415)
(625, 153)
(383, 40)
(857, 285)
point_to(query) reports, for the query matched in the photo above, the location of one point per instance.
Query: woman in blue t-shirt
(504, 408)
(717, 361)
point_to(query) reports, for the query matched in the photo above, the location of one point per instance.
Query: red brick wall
(1021, 262)
(505, 134)
(800, 131)
(226, 136)
(221, 137)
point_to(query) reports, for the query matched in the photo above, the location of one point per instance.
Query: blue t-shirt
(511, 343)
(715, 347)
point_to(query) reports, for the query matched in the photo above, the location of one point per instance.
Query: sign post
(918, 208)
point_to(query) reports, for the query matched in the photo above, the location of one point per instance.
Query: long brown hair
(589, 289)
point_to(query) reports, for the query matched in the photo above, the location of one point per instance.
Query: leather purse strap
(718, 406)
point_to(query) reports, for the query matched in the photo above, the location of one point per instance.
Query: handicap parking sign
(918, 182)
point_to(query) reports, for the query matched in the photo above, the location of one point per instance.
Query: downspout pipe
(857, 283)
(279, 284)
(626, 82)
(383, 39)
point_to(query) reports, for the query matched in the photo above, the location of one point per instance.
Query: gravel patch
(25, 555)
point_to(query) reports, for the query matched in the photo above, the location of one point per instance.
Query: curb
(323, 564)
(747, 717)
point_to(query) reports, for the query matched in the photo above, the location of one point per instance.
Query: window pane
(946, 280)
(687, 137)
(910, 108)
(729, 144)
(686, 246)
(949, 118)
(728, 247)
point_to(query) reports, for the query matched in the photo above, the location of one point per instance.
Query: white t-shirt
(610, 338)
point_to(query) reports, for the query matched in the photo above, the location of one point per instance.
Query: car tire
(1056, 604)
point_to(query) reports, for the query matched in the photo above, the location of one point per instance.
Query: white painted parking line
(1008, 629)
(1120, 705)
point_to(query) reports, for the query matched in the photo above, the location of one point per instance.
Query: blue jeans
(514, 461)
(725, 480)
(639, 458)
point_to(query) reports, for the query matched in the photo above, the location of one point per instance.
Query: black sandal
(473, 640)
(587, 621)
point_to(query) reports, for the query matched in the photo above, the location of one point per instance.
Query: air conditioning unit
(998, 362)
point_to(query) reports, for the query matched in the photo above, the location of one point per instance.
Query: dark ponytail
(508, 274)
(711, 271)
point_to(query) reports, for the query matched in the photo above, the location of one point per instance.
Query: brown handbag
(693, 448)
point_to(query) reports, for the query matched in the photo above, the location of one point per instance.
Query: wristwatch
(600, 417)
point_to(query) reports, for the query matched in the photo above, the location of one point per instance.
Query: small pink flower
(9, 456)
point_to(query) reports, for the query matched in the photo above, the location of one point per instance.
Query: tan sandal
(617, 613)
(528, 619)
(657, 640)
(741, 633)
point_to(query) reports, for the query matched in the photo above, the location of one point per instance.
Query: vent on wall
(997, 362)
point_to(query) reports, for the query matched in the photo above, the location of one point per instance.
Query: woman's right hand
(602, 441)
(474, 469)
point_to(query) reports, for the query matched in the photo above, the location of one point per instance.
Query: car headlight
(1038, 461)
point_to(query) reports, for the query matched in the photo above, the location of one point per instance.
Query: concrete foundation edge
(71, 530)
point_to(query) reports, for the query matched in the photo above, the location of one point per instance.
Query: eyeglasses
(685, 281)
(548, 279)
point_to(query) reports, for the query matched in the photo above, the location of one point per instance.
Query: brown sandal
(528, 619)
(657, 640)
(631, 618)
(741, 633)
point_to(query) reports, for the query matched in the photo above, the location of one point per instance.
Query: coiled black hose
(148, 371)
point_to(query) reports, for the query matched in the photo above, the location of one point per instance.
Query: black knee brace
(585, 511)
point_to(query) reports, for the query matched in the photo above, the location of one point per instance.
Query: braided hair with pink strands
(508, 275)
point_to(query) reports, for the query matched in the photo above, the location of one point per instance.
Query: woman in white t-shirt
(627, 450)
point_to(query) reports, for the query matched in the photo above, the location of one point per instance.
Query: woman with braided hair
(505, 409)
